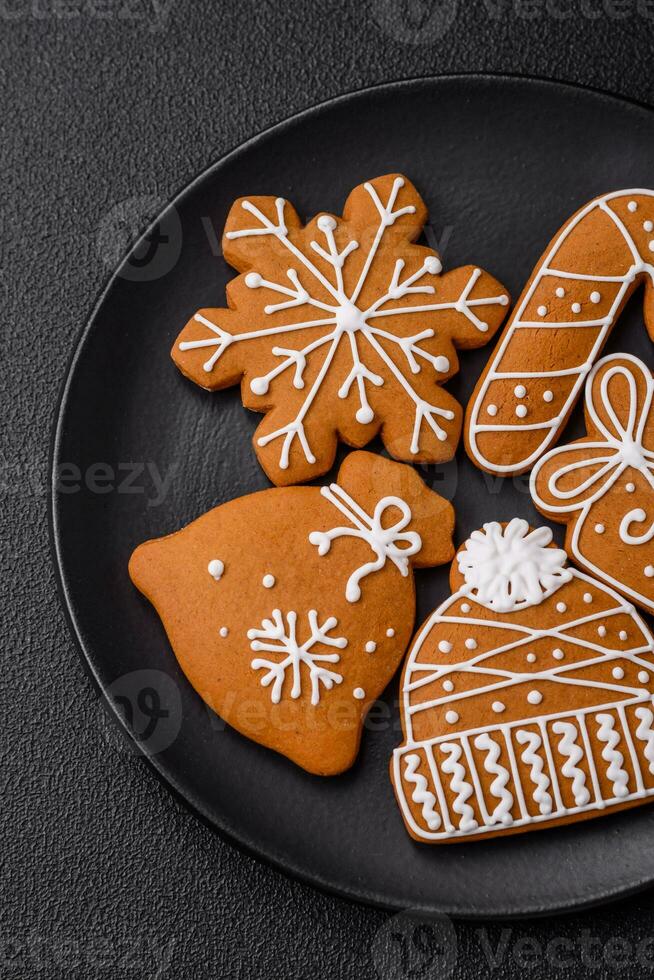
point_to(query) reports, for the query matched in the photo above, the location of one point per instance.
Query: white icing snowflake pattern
(331, 322)
(280, 638)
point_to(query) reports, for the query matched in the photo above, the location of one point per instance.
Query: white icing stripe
(421, 795)
(384, 541)
(280, 638)
(616, 771)
(569, 748)
(645, 732)
(624, 450)
(344, 317)
(459, 786)
(552, 426)
(532, 742)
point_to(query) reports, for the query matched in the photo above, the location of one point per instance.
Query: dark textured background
(108, 109)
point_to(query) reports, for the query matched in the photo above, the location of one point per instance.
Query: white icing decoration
(560, 292)
(533, 742)
(512, 568)
(574, 754)
(359, 693)
(465, 607)
(492, 410)
(534, 697)
(471, 644)
(630, 487)
(561, 607)
(541, 281)
(621, 448)
(576, 307)
(601, 631)
(371, 646)
(445, 646)
(498, 707)
(420, 794)
(623, 634)
(502, 812)
(632, 206)
(588, 597)
(520, 391)
(392, 543)
(648, 226)
(281, 639)
(595, 297)
(521, 411)
(531, 658)
(462, 789)
(216, 568)
(268, 581)
(649, 571)
(618, 673)
(343, 323)
(390, 632)
(224, 632)
(451, 717)
(560, 750)
(548, 395)
(616, 772)
(558, 654)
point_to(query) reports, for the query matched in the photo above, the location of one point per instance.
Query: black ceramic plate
(501, 163)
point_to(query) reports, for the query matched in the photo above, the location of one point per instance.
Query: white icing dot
(560, 292)
(648, 225)
(618, 673)
(442, 364)
(576, 307)
(359, 693)
(630, 488)
(216, 568)
(521, 411)
(390, 631)
(326, 223)
(643, 676)
(601, 631)
(504, 300)
(371, 646)
(451, 717)
(588, 597)
(561, 607)
(595, 297)
(498, 707)
(633, 206)
(445, 646)
(623, 634)
(365, 414)
(534, 697)
(531, 658)
(558, 654)
(471, 644)
(224, 632)
(520, 391)
(433, 265)
(465, 608)
(448, 686)
(548, 396)
(600, 528)
(268, 581)
(651, 246)
(253, 280)
(649, 571)
(492, 410)
(259, 386)
(542, 311)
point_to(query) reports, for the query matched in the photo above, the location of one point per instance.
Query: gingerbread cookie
(289, 610)
(559, 327)
(527, 696)
(602, 487)
(342, 328)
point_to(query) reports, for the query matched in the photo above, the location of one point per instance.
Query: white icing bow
(511, 568)
(392, 542)
(620, 447)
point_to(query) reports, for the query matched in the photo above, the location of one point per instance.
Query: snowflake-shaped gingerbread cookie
(343, 328)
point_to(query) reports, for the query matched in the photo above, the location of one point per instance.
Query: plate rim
(167, 779)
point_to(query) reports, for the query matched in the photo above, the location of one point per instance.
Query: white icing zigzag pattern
(574, 754)
(547, 272)
(421, 795)
(530, 757)
(343, 322)
(281, 639)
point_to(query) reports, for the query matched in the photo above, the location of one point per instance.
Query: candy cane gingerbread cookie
(343, 328)
(558, 329)
(602, 486)
(527, 697)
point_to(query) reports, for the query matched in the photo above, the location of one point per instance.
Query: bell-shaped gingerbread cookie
(527, 696)
(289, 610)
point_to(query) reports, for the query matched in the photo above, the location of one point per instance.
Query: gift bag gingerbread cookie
(559, 326)
(341, 329)
(602, 486)
(527, 696)
(289, 610)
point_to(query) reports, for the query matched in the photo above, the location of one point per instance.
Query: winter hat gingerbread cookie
(342, 328)
(289, 610)
(602, 486)
(527, 696)
(559, 327)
